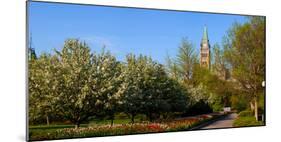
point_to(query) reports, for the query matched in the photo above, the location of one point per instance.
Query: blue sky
(123, 30)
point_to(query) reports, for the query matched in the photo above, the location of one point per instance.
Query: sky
(156, 33)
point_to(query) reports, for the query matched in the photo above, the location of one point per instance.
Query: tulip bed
(122, 129)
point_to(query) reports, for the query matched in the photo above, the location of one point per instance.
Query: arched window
(204, 55)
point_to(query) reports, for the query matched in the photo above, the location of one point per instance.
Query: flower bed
(121, 129)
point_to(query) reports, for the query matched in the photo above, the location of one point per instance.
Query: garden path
(225, 122)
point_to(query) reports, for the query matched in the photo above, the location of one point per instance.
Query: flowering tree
(131, 87)
(76, 99)
(44, 81)
(106, 74)
(147, 89)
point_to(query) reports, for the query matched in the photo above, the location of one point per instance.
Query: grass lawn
(53, 127)
(91, 123)
(45, 132)
(116, 121)
(246, 121)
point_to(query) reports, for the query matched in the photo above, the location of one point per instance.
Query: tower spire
(205, 33)
(205, 50)
(31, 49)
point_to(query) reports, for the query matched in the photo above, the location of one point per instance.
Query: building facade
(205, 50)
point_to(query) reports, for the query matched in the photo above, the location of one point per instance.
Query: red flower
(154, 127)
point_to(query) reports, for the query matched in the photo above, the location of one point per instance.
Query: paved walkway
(225, 122)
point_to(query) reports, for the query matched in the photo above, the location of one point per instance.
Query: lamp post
(263, 84)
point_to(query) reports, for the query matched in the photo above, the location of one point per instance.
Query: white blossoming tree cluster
(75, 84)
(147, 89)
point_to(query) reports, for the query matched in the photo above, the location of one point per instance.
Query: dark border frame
(160, 9)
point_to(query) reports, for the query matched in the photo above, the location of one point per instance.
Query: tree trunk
(47, 120)
(256, 108)
(77, 125)
(111, 122)
(252, 105)
(150, 117)
(133, 118)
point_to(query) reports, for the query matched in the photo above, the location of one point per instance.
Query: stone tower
(205, 52)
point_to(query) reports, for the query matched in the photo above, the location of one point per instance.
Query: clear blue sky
(123, 30)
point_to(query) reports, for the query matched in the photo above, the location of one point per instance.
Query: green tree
(162, 94)
(175, 96)
(220, 66)
(190, 74)
(172, 68)
(244, 49)
(31, 54)
(220, 84)
(153, 85)
(185, 60)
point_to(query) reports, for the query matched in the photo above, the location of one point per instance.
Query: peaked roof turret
(205, 34)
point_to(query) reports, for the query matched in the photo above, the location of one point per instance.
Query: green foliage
(147, 89)
(261, 101)
(186, 59)
(220, 66)
(247, 121)
(246, 113)
(239, 102)
(201, 83)
(182, 67)
(186, 70)
(31, 54)
(244, 50)
(216, 107)
(200, 107)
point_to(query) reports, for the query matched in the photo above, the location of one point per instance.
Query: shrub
(246, 121)
(239, 102)
(217, 107)
(198, 108)
(246, 113)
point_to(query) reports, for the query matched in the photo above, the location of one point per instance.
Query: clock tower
(205, 50)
